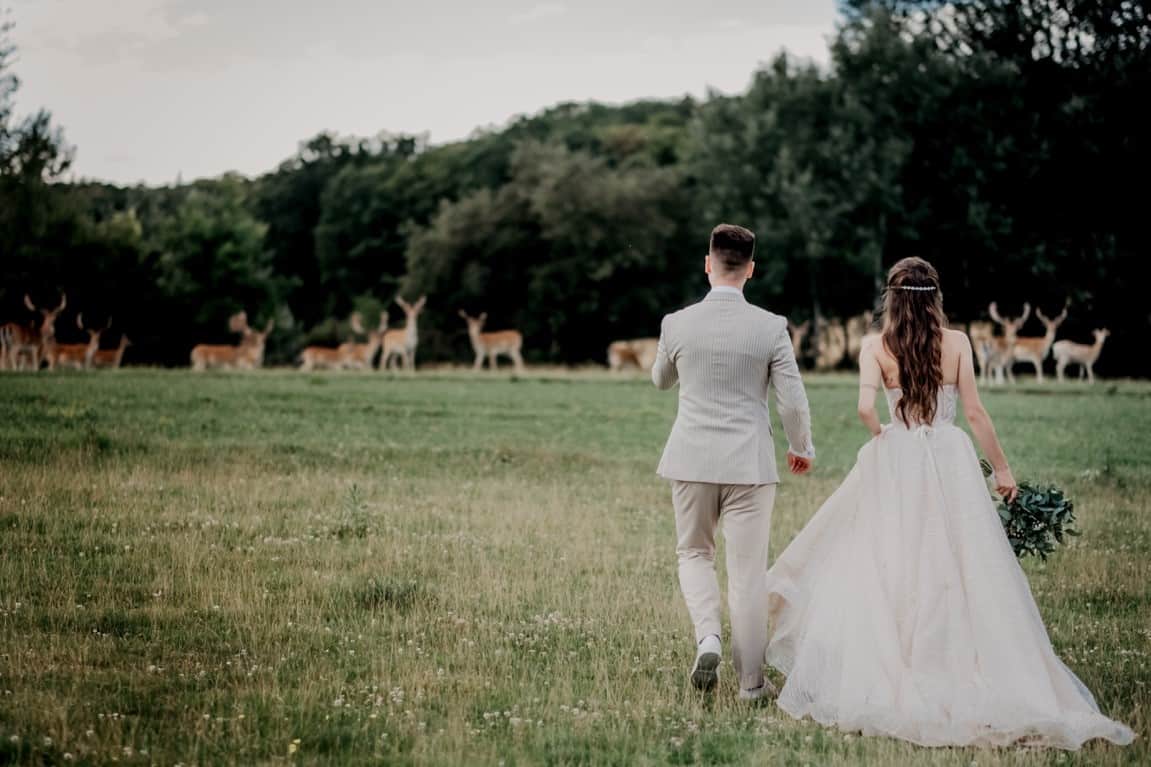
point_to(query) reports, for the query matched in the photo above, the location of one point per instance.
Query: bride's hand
(1005, 484)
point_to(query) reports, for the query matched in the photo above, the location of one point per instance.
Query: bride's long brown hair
(913, 323)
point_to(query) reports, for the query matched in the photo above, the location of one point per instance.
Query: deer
(34, 340)
(981, 333)
(79, 356)
(1084, 355)
(111, 358)
(855, 329)
(798, 335)
(637, 351)
(830, 343)
(360, 356)
(320, 358)
(1000, 350)
(493, 344)
(400, 344)
(1034, 350)
(248, 354)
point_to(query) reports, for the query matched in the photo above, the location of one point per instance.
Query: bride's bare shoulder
(956, 339)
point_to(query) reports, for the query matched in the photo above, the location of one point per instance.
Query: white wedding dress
(900, 608)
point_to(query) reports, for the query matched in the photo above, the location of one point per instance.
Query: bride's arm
(981, 425)
(870, 379)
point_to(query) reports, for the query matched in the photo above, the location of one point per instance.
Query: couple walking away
(900, 608)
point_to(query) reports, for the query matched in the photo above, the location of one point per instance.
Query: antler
(993, 310)
(80, 320)
(238, 322)
(1026, 312)
(28, 302)
(357, 323)
(383, 320)
(404, 304)
(63, 303)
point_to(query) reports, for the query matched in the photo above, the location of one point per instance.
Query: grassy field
(448, 569)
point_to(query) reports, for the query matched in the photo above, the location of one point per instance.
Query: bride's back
(951, 351)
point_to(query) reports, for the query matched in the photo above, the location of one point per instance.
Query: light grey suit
(726, 354)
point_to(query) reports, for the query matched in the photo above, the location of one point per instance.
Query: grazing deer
(1084, 355)
(401, 344)
(1000, 350)
(493, 344)
(79, 356)
(638, 351)
(360, 356)
(798, 335)
(111, 358)
(320, 358)
(248, 354)
(1034, 350)
(33, 340)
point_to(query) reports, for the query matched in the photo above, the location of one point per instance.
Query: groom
(720, 457)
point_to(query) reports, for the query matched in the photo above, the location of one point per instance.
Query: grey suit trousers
(744, 511)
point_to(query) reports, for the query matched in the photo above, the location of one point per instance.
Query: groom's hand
(798, 465)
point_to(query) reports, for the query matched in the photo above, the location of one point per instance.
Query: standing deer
(34, 340)
(1000, 351)
(360, 356)
(981, 333)
(493, 344)
(1084, 355)
(798, 334)
(855, 329)
(830, 343)
(401, 344)
(1034, 350)
(79, 356)
(111, 358)
(248, 354)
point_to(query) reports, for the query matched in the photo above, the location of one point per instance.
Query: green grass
(448, 569)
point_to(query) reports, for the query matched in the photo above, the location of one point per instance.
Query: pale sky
(148, 89)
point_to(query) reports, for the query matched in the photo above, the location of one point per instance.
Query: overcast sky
(148, 89)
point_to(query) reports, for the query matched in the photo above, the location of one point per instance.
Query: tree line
(1007, 142)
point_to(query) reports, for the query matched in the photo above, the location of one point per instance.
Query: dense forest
(1008, 142)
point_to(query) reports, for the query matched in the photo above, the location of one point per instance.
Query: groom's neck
(720, 282)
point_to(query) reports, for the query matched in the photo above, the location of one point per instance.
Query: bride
(900, 608)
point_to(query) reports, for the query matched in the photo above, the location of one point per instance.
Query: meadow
(446, 568)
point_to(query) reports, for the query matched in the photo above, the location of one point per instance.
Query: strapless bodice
(947, 401)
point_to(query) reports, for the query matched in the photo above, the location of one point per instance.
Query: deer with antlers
(1084, 355)
(494, 343)
(359, 356)
(111, 358)
(248, 354)
(1033, 350)
(79, 356)
(400, 344)
(1000, 350)
(798, 335)
(35, 340)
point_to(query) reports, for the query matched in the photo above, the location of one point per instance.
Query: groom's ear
(707, 264)
(750, 269)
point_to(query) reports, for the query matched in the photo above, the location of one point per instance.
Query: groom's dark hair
(732, 246)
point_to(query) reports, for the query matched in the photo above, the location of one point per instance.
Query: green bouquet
(1038, 518)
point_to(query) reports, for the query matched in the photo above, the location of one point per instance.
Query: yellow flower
(294, 746)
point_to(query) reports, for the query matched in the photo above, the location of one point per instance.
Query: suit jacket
(725, 354)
